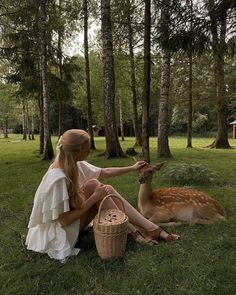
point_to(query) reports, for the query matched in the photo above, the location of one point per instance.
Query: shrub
(187, 174)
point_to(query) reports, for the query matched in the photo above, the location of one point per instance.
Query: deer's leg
(201, 221)
(172, 223)
(209, 214)
(161, 216)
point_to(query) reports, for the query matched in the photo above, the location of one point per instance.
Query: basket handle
(104, 199)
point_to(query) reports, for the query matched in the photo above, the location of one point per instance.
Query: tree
(113, 148)
(87, 70)
(9, 110)
(163, 143)
(218, 19)
(127, 31)
(190, 99)
(59, 55)
(133, 78)
(24, 119)
(64, 16)
(22, 34)
(193, 41)
(146, 81)
(48, 153)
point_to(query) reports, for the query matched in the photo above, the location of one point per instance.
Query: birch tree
(113, 148)
(133, 76)
(48, 153)
(146, 81)
(190, 94)
(87, 71)
(163, 141)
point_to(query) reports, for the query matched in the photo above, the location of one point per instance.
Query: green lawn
(203, 262)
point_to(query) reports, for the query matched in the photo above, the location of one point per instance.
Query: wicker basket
(110, 231)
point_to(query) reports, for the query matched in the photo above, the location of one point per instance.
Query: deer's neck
(145, 190)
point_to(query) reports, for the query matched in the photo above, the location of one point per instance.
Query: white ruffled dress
(46, 234)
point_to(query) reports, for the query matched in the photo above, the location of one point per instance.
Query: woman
(68, 197)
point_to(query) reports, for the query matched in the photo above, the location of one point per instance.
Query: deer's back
(179, 197)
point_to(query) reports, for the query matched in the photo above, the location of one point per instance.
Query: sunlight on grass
(203, 262)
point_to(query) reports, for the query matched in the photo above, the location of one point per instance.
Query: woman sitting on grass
(68, 197)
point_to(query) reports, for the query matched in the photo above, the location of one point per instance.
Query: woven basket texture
(110, 231)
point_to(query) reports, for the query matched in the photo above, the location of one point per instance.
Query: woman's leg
(89, 188)
(87, 218)
(134, 216)
(153, 231)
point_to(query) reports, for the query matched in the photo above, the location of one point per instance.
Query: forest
(130, 68)
(153, 77)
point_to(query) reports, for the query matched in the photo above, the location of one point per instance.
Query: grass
(203, 262)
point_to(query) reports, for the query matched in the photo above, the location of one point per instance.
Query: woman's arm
(75, 214)
(114, 171)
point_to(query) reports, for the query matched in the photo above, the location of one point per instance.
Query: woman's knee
(110, 189)
(90, 186)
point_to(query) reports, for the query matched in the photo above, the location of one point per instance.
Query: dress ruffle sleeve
(46, 235)
(49, 204)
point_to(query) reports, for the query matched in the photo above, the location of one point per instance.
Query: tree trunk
(133, 81)
(190, 82)
(87, 69)
(219, 46)
(24, 127)
(60, 118)
(48, 153)
(40, 103)
(28, 122)
(6, 128)
(41, 129)
(113, 148)
(61, 102)
(163, 149)
(121, 121)
(163, 141)
(32, 128)
(221, 140)
(190, 102)
(146, 82)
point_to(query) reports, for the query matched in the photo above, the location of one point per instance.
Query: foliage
(19, 60)
(10, 113)
(179, 120)
(123, 90)
(231, 87)
(189, 174)
(96, 81)
(199, 121)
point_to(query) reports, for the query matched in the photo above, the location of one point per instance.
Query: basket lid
(111, 216)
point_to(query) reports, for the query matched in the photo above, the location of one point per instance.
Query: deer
(175, 205)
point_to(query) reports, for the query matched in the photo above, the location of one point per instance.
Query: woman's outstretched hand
(138, 165)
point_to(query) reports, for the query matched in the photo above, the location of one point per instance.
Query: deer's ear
(158, 166)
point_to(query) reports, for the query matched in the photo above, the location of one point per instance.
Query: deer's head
(147, 171)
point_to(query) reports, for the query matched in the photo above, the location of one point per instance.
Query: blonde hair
(68, 148)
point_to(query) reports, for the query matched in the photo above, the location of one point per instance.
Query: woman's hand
(100, 192)
(138, 165)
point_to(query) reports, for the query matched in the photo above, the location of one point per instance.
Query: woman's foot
(159, 233)
(143, 239)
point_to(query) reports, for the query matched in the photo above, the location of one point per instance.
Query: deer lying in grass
(175, 205)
